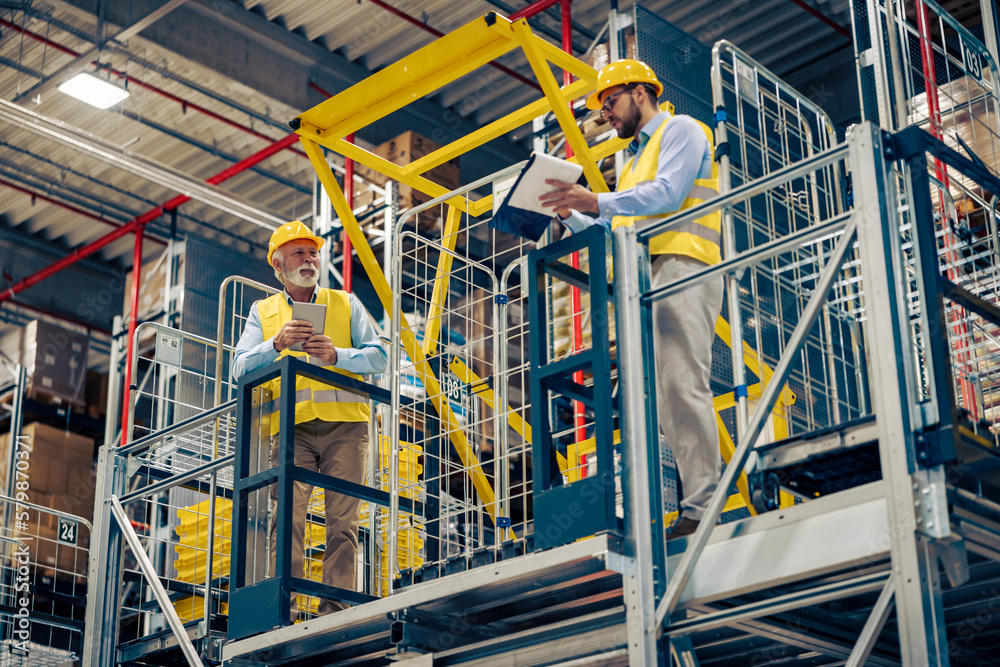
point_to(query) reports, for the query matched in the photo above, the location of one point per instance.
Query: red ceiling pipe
(148, 216)
(78, 211)
(437, 33)
(76, 255)
(824, 18)
(536, 8)
(133, 321)
(185, 104)
(348, 267)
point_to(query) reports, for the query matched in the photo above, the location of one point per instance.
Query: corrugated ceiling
(188, 116)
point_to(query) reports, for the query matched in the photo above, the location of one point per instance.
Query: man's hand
(321, 346)
(567, 196)
(293, 331)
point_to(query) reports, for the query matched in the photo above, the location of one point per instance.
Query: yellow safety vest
(702, 238)
(315, 400)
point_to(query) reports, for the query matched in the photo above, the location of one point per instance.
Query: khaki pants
(684, 329)
(338, 449)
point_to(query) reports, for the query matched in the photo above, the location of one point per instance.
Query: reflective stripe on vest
(314, 399)
(316, 396)
(701, 238)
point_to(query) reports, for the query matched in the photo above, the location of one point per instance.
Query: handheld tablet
(315, 313)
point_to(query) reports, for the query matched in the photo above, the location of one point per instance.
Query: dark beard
(629, 121)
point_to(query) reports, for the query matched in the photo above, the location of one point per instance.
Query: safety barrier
(471, 485)
(761, 126)
(44, 556)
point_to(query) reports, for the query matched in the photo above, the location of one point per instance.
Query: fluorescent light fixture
(96, 92)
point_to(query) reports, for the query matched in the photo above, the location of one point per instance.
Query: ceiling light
(96, 92)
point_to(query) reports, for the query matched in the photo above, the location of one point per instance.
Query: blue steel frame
(266, 604)
(565, 513)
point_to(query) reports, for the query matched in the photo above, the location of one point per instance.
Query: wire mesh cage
(933, 73)
(44, 558)
(762, 127)
(462, 450)
(682, 63)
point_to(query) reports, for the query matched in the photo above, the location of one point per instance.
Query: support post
(347, 268)
(640, 602)
(920, 614)
(104, 572)
(133, 319)
(989, 10)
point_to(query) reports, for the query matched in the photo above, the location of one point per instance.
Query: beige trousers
(684, 329)
(338, 449)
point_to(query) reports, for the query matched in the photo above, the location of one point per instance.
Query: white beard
(296, 278)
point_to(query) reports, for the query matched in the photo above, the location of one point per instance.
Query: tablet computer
(315, 313)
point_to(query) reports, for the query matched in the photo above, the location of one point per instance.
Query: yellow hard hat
(620, 73)
(296, 229)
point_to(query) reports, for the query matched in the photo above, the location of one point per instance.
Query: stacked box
(96, 394)
(402, 150)
(59, 468)
(55, 360)
(151, 290)
(59, 476)
(191, 549)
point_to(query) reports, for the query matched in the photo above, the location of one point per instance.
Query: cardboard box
(152, 289)
(95, 394)
(406, 148)
(55, 360)
(55, 457)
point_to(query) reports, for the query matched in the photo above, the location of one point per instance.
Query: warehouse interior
(134, 238)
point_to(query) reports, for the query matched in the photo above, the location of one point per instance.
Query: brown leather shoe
(682, 527)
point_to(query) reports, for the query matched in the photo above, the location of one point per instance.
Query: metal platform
(534, 604)
(746, 599)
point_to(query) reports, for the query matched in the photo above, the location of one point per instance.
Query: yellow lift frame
(421, 73)
(430, 68)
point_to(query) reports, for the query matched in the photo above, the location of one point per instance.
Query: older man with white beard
(331, 426)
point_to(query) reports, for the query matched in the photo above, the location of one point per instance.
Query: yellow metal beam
(727, 448)
(753, 362)
(551, 52)
(497, 128)
(486, 395)
(433, 388)
(576, 450)
(449, 238)
(380, 164)
(726, 401)
(411, 78)
(735, 502)
(543, 74)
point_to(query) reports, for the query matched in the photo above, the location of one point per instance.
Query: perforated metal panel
(682, 63)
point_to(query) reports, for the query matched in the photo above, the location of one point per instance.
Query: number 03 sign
(973, 61)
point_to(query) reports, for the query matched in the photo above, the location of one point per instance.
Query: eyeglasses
(609, 101)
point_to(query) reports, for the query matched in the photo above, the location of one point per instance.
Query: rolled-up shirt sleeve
(252, 351)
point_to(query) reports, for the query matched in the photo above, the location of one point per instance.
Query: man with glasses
(672, 169)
